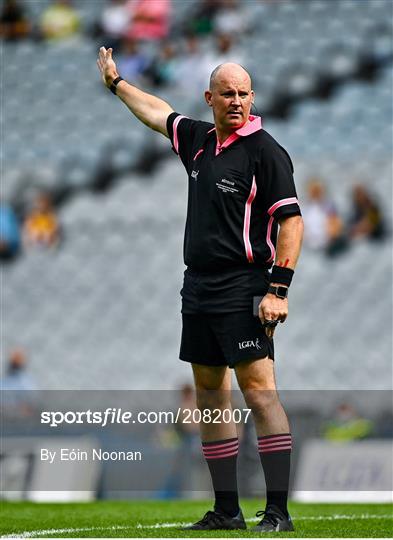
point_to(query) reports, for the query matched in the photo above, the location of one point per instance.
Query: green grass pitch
(163, 519)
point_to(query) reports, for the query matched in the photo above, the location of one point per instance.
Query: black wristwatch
(280, 292)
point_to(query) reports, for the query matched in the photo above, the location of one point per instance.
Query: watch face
(282, 292)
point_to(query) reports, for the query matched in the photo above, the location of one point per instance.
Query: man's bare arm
(150, 110)
(289, 243)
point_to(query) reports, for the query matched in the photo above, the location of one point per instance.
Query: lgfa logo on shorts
(250, 343)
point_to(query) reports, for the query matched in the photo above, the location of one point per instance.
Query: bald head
(229, 70)
(230, 96)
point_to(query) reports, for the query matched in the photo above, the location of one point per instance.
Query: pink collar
(254, 124)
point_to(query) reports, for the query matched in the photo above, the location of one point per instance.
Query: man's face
(231, 98)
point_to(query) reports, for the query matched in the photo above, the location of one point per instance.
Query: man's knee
(260, 401)
(257, 383)
(213, 399)
(213, 387)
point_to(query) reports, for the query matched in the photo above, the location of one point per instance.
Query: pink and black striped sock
(221, 457)
(275, 454)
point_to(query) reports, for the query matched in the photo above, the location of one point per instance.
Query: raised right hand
(107, 66)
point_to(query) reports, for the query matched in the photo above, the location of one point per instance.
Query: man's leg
(257, 382)
(219, 440)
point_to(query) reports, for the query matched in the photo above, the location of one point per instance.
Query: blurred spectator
(17, 376)
(163, 69)
(347, 425)
(187, 460)
(366, 219)
(150, 19)
(9, 233)
(60, 20)
(202, 20)
(14, 24)
(114, 21)
(41, 227)
(132, 62)
(230, 19)
(17, 400)
(323, 228)
(190, 72)
(224, 50)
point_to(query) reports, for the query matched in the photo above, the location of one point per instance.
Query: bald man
(242, 241)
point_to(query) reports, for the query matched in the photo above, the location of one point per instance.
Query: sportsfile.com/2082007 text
(113, 415)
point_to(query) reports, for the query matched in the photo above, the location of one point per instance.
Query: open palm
(106, 65)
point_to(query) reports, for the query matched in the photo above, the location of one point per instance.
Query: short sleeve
(182, 131)
(278, 182)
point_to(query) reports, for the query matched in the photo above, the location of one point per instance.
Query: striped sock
(221, 457)
(275, 454)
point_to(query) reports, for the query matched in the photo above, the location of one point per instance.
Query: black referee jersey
(237, 193)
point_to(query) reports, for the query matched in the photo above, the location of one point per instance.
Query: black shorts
(223, 339)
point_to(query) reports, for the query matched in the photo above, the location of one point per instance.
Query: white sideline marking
(45, 532)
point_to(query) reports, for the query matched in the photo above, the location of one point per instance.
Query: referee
(242, 241)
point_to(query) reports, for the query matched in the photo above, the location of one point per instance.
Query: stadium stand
(105, 304)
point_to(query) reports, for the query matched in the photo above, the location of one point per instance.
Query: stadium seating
(54, 132)
(103, 310)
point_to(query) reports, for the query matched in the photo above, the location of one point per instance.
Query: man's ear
(252, 96)
(208, 98)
